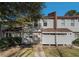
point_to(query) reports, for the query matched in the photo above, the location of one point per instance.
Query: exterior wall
(61, 39)
(74, 28)
(76, 35)
(49, 23)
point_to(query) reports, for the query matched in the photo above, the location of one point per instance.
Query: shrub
(9, 41)
(76, 42)
(3, 43)
(17, 40)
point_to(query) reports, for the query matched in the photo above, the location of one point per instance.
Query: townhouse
(61, 30)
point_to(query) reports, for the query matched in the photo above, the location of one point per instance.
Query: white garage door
(48, 39)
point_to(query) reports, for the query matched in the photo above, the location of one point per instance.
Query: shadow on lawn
(60, 53)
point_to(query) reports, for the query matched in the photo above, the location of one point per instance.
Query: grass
(61, 51)
(68, 52)
(25, 52)
(49, 52)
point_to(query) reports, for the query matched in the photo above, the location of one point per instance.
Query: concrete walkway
(38, 51)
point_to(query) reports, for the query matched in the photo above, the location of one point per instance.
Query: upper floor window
(39, 25)
(78, 20)
(72, 22)
(63, 22)
(45, 23)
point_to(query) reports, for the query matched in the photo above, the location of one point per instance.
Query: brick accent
(53, 15)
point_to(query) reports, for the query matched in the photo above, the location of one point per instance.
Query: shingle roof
(61, 17)
(56, 30)
(68, 17)
(13, 29)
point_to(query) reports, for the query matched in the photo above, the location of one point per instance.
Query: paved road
(38, 51)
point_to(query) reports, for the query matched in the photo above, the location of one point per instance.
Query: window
(70, 33)
(46, 33)
(63, 22)
(72, 22)
(45, 23)
(61, 34)
(39, 25)
(78, 20)
(55, 33)
(30, 36)
(8, 35)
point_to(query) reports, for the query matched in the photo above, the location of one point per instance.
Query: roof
(61, 17)
(16, 29)
(53, 14)
(68, 17)
(56, 30)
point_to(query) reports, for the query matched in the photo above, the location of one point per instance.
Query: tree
(30, 11)
(11, 11)
(77, 13)
(71, 13)
(18, 9)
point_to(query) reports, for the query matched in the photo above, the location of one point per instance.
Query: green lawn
(67, 52)
(61, 51)
(51, 51)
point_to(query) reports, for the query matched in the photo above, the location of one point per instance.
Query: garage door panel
(48, 39)
(59, 39)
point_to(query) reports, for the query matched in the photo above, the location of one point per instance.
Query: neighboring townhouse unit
(58, 29)
(6, 31)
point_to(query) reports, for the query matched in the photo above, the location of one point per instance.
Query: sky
(60, 7)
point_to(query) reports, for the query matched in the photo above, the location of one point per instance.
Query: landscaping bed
(61, 51)
(6, 43)
(12, 47)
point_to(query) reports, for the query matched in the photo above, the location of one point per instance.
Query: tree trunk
(0, 32)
